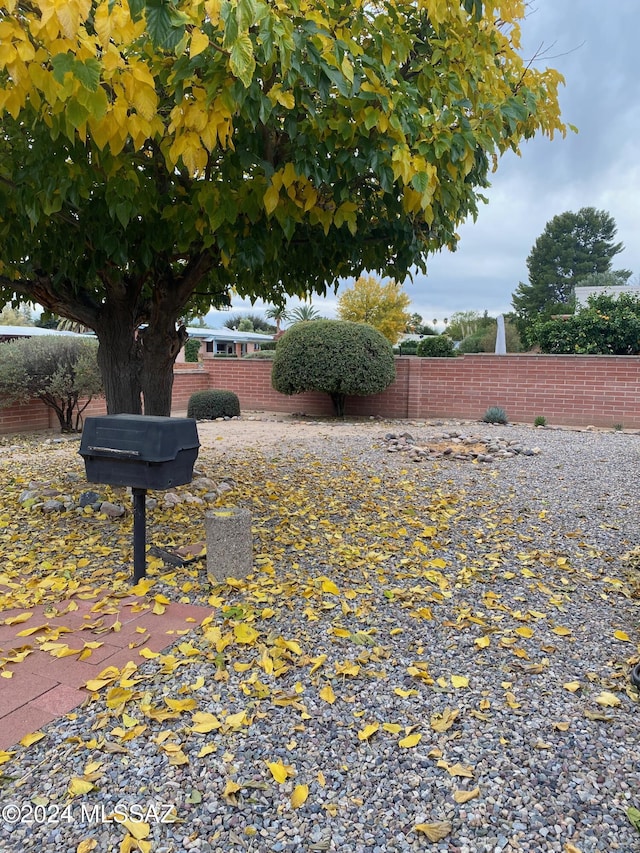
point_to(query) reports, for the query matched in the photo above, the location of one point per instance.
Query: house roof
(228, 335)
(33, 332)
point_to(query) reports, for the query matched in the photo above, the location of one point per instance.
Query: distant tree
(302, 313)
(607, 325)
(250, 323)
(415, 326)
(465, 323)
(59, 370)
(335, 357)
(277, 313)
(20, 316)
(571, 247)
(383, 306)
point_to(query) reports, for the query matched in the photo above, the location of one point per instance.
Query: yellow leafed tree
(383, 306)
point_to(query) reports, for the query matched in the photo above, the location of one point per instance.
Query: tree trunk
(338, 401)
(160, 343)
(119, 361)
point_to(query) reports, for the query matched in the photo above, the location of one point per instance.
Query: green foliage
(540, 420)
(407, 348)
(209, 405)
(336, 357)
(302, 313)
(438, 346)
(59, 370)
(607, 325)
(267, 346)
(191, 349)
(571, 247)
(495, 415)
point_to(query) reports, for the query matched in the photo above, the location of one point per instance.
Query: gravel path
(431, 655)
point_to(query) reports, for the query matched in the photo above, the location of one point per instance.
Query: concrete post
(229, 543)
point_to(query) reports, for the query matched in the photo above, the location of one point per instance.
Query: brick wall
(567, 390)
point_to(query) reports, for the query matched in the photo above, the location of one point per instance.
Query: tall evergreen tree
(571, 247)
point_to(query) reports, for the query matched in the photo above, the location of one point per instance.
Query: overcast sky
(594, 47)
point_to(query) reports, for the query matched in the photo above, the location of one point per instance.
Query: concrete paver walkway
(43, 686)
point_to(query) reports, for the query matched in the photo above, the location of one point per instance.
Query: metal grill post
(139, 533)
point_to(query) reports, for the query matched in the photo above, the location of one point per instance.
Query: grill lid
(145, 438)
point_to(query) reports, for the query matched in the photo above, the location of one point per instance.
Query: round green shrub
(436, 346)
(336, 357)
(208, 405)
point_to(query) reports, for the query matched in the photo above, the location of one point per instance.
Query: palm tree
(303, 312)
(279, 314)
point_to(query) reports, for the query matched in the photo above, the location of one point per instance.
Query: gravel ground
(431, 655)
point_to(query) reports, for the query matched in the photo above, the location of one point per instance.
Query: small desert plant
(495, 415)
(540, 421)
(208, 405)
(618, 427)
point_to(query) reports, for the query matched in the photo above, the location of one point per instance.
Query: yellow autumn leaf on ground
(330, 587)
(368, 731)
(280, 771)
(87, 845)
(327, 694)
(561, 725)
(464, 796)
(138, 828)
(435, 831)
(245, 633)
(622, 636)
(399, 691)
(299, 796)
(231, 788)
(204, 722)
(561, 632)
(410, 740)
(442, 722)
(482, 642)
(129, 844)
(234, 721)
(392, 728)
(460, 680)
(572, 686)
(180, 704)
(18, 618)
(31, 738)
(524, 632)
(571, 848)
(78, 786)
(609, 700)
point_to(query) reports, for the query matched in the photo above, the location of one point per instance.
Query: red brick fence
(567, 390)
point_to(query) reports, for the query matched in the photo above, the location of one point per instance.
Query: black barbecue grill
(143, 452)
